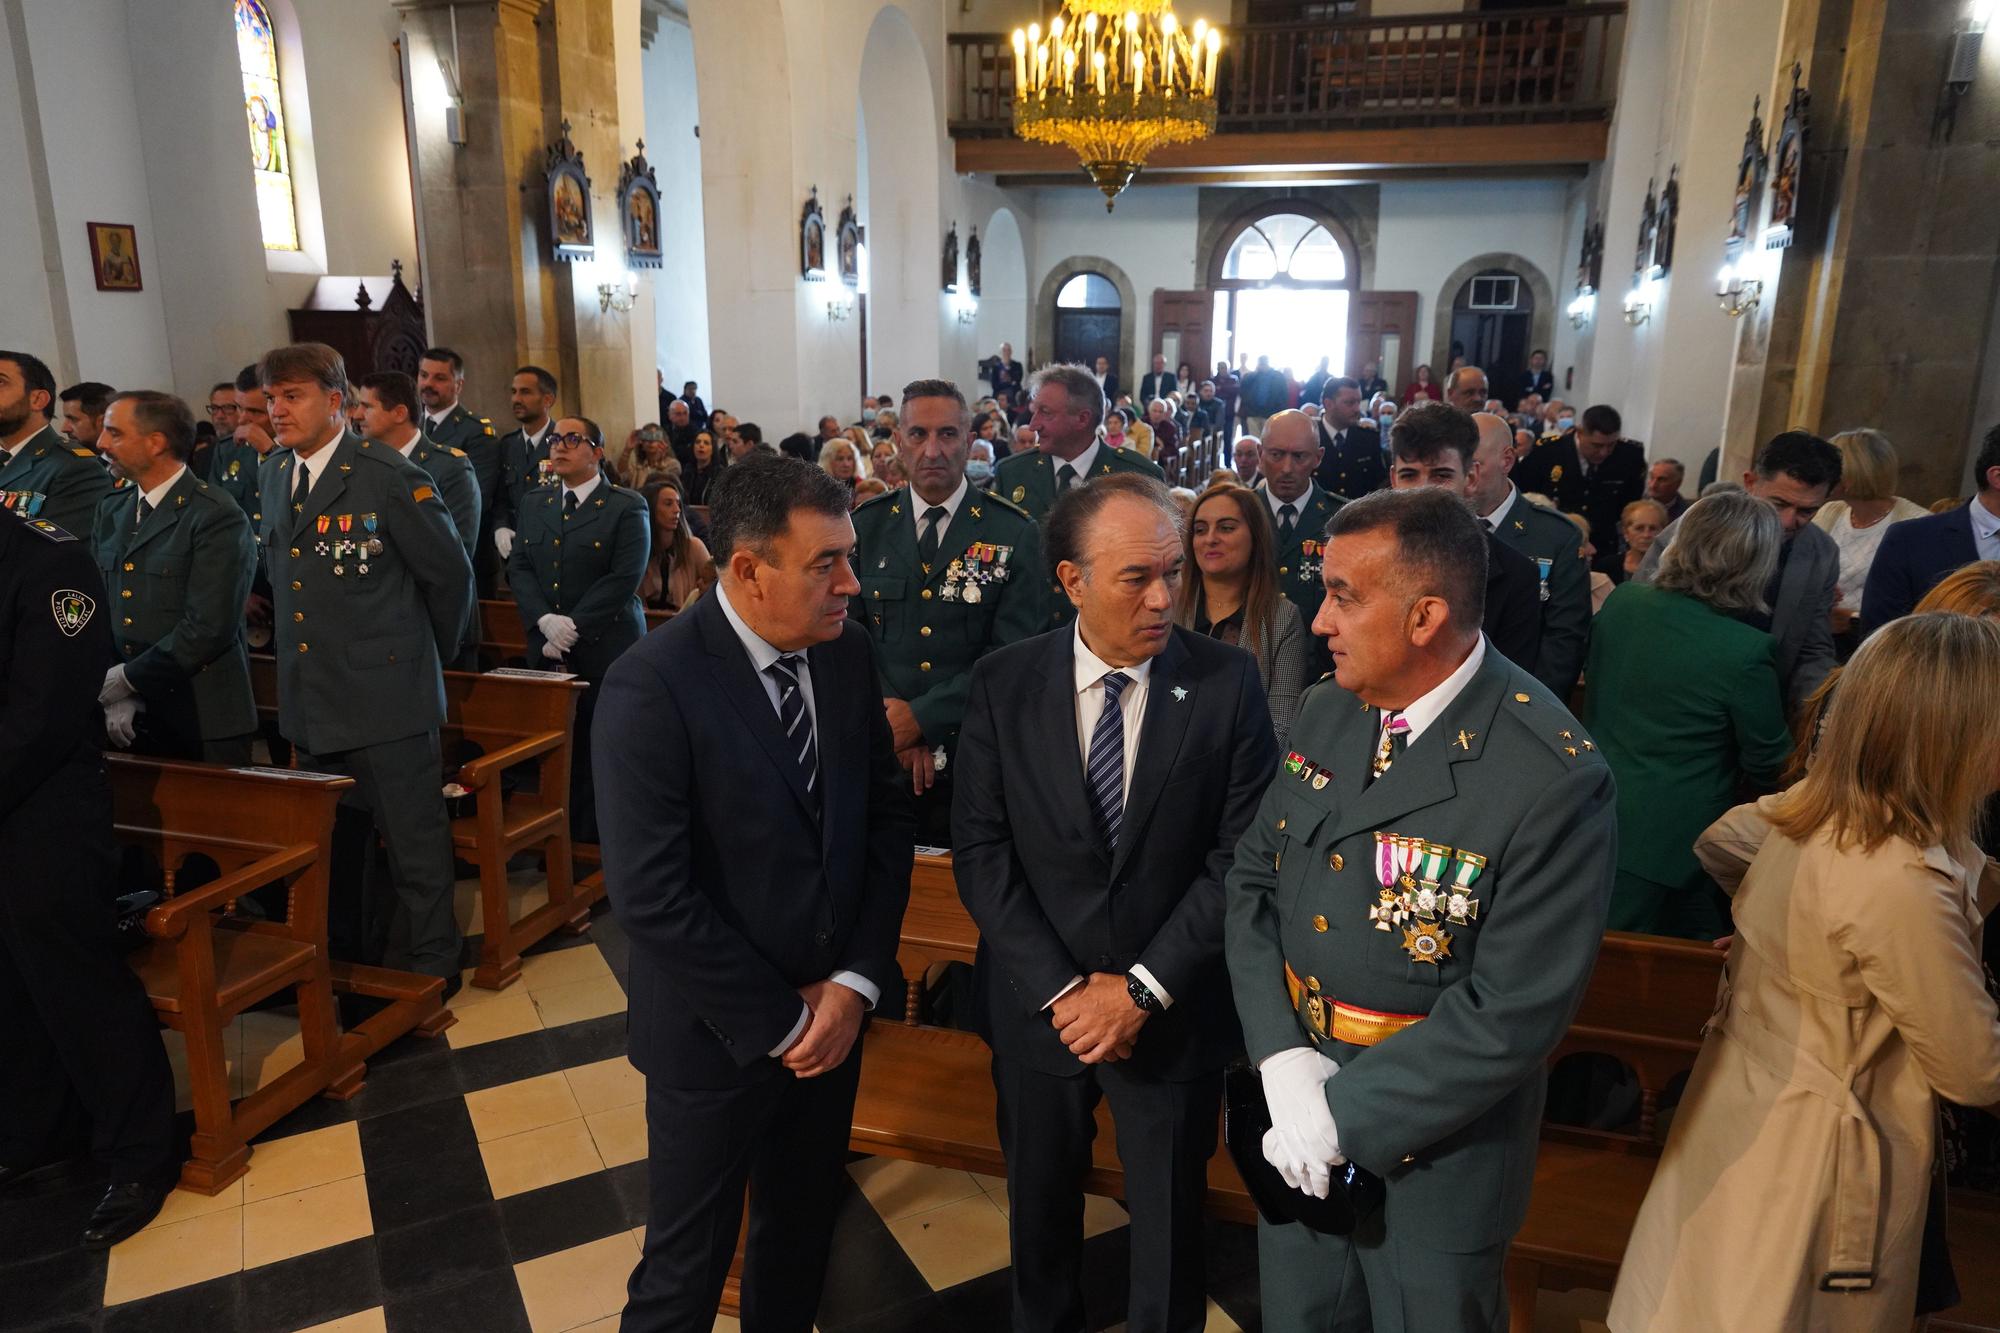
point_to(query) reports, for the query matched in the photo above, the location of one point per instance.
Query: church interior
(1725, 219)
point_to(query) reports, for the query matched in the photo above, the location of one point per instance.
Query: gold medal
(1427, 942)
(1020, 494)
(1388, 908)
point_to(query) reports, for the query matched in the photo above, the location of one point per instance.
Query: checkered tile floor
(494, 1181)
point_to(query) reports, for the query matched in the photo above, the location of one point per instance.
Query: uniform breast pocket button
(823, 938)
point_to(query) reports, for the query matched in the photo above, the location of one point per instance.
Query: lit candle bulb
(1020, 62)
(1168, 24)
(1214, 42)
(1097, 66)
(1138, 74)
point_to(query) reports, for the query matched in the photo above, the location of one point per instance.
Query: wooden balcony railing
(1521, 66)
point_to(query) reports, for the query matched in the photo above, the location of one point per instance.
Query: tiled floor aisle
(494, 1181)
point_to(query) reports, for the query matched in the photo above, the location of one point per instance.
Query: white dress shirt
(582, 493)
(1090, 671)
(159, 492)
(1985, 530)
(1083, 462)
(1298, 506)
(762, 655)
(1428, 707)
(319, 464)
(950, 507)
(1500, 510)
(434, 424)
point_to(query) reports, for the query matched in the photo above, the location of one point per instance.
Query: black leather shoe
(124, 1210)
(11, 1176)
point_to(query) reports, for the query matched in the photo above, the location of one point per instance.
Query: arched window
(264, 109)
(1283, 281)
(1087, 291)
(1089, 319)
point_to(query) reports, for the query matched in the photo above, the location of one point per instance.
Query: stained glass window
(264, 108)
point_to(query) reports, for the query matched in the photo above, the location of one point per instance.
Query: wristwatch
(1142, 994)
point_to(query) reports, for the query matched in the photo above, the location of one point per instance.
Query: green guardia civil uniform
(233, 470)
(474, 435)
(1554, 544)
(457, 485)
(1028, 481)
(932, 621)
(176, 581)
(1432, 930)
(50, 478)
(1299, 558)
(371, 588)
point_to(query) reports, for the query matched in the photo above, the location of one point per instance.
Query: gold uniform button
(1284, 570)
(298, 617)
(1319, 924)
(558, 541)
(128, 620)
(1520, 698)
(1335, 862)
(926, 594)
(296, 585)
(923, 666)
(1281, 823)
(295, 553)
(125, 593)
(925, 631)
(1312, 983)
(878, 594)
(129, 566)
(302, 647)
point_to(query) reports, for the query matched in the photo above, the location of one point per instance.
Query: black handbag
(1355, 1193)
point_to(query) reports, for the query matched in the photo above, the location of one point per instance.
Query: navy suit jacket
(734, 892)
(1913, 556)
(1052, 902)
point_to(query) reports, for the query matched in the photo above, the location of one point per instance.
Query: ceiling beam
(1312, 176)
(1576, 143)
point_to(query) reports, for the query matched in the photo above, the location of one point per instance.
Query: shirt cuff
(1152, 983)
(798, 1030)
(860, 985)
(1074, 982)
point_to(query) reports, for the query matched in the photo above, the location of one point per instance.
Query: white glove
(553, 653)
(560, 631)
(1301, 1142)
(503, 541)
(119, 719)
(115, 687)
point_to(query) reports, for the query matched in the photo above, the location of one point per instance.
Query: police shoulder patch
(48, 530)
(72, 610)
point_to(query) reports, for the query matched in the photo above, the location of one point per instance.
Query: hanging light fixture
(1112, 80)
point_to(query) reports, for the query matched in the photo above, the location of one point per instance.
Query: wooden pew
(516, 720)
(503, 640)
(202, 965)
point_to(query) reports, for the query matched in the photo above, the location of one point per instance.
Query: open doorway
(1089, 319)
(1283, 285)
(1492, 324)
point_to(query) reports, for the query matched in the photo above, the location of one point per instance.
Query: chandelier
(1112, 80)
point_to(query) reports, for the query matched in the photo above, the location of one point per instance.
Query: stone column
(1878, 313)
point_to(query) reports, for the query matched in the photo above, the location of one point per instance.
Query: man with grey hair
(1465, 389)
(1068, 408)
(1663, 484)
(1097, 887)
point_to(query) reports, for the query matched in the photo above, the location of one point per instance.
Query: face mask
(1565, 423)
(1388, 420)
(978, 471)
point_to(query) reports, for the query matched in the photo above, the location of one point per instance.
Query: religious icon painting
(849, 245)
(1666, 222)
(950, 264)
(1788, 167)
(1649, 220)
(972, 262)
(114, 256)
(639, 210)
(812, 238)
(570, 229)
(1750, 168)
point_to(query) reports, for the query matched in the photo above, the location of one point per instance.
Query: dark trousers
(582, 785)
(786, 1138)
(1166, 1134)
(405, 922)
(1377, 1281)
(934, 815)
(80, 1047)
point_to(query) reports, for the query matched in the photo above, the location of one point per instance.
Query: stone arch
(1003, 297)
(1045, 309)
(1543, 322)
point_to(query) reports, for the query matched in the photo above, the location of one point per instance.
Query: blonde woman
(1864, 506)
(838, 459)
(1792, 1191)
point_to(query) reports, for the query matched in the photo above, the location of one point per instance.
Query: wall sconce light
(837, 310)
(1736, 292)
(618, 296)
(1964, 64)
(1583, 308)
(1640, 300)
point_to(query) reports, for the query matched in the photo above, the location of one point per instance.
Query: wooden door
(1382, 327)
(1180, 329)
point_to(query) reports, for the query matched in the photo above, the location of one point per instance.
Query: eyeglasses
(573, 439)
(217, 409)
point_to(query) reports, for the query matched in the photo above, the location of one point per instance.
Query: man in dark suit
(761, 932)
(1536, 379)
(1916, 554)
(1105, 772)
(1351, 462)
(1107, 380)
(1663, 484)
(1550, 541)
(1591, 470)
(1157, 382)
(1003, 372)
(1434, 444)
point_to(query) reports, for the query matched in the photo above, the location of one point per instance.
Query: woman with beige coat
(1791, 1192)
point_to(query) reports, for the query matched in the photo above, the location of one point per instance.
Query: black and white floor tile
(492, 1181)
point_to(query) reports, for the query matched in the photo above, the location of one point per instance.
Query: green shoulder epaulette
(1007, 505)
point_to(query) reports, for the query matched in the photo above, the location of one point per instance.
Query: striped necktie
(794, 720)
(1106, 770)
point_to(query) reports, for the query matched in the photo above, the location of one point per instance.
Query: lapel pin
(1180, 694)
(1465, 739)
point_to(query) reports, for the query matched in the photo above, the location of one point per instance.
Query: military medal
(1555, 474)
(235, 466)
(1388, 907)
(1460, 905)
(369, 522)
(1426, 901)
(1294, 762)
(1427, 943)
(971, 592)
(1543, 564)
(1320, 779)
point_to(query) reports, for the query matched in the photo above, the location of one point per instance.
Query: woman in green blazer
(1685, 701)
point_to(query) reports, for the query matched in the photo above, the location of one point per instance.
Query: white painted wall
(1003, 301)
(31, 282)
(1151, 235)
(680, 284)
(908, 310)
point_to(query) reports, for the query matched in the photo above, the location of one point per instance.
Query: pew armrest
(477, 773)
(170, 919)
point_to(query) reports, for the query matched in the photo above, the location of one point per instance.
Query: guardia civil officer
(371, 589)
(1290, 455)
(947, 574)
(1412, 918)
(1067, 408)
(445, 421)
(1551, 542)
(578, 557)
(177, 556)
(42, 474)
(86, 1073)
(524, 451)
